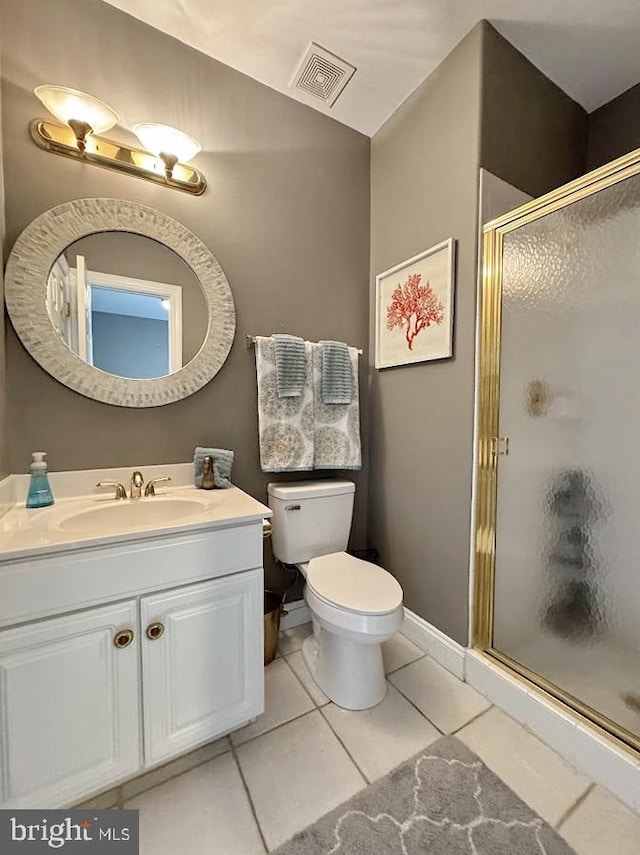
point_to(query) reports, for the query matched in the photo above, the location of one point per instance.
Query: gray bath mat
(444, 801)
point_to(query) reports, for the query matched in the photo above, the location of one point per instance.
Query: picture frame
(414, 308)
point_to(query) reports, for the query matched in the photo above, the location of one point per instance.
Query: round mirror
(119, 302)
(126, 304)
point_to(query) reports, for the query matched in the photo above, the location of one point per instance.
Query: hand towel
(285, 425)
(291, 365)
(222, 464)
(336, 433)
(337, 373)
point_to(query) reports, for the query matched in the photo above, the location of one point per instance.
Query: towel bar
(251, 340)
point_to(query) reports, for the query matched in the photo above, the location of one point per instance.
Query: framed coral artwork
(414, 308)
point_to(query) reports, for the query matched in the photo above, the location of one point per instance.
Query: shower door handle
(499, 446)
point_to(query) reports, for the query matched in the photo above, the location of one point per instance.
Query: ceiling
(588, 47)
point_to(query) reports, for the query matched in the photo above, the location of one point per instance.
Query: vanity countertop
(91, 521)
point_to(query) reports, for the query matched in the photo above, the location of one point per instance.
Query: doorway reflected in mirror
(127, 305)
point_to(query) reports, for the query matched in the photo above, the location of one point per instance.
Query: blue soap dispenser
(40, 495)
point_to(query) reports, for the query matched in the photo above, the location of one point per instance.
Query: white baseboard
(297, 613)
(433, 641)
(579, 743)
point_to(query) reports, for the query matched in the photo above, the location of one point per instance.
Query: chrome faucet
(121, 493)
(136, 485)
(150, 490)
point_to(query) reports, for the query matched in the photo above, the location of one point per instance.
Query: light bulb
(165, 140)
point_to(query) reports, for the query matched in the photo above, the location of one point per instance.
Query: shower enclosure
(558, 529)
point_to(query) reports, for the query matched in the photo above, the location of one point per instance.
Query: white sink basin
(84, 520)
(133, 514)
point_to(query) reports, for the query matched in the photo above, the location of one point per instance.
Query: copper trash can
(272, 612)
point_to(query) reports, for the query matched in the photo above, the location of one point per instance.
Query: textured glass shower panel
(567, 592)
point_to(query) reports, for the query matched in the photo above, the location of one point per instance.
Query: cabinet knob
(123, 638)
(155, 630)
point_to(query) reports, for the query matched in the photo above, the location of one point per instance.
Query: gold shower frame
(489, 442)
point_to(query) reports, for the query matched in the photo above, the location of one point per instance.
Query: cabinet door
(69, 707)
(202, 673)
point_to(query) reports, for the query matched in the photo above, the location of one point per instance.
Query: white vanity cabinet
(115, 659)
(69, 701)
(202, 653)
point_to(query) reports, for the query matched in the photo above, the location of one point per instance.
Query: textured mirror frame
(31, 260)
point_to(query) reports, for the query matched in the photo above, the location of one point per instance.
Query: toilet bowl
(355, 605)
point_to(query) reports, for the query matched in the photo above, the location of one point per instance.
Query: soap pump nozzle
(38, 462)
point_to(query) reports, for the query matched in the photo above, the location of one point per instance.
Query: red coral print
(415, 307)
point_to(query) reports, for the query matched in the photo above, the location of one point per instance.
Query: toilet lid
(352, 584)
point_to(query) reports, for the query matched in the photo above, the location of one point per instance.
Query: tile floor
(305, 756)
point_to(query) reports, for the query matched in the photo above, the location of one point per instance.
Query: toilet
(355, 605)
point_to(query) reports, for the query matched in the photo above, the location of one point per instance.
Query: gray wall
(424, 174)
(533, 135)
(614, 129)
(286, 214)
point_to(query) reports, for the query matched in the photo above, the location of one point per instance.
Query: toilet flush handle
(292, 508)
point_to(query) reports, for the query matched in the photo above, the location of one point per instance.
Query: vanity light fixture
(83, 113)
(169, 144)
(84, 118)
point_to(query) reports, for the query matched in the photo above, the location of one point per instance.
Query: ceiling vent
(322, 74)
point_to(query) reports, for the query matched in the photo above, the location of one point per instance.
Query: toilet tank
(310, 518)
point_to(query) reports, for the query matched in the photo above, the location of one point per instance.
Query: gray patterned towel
(337, 374)
(336, 434)
(291, 365)
(285, 425)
